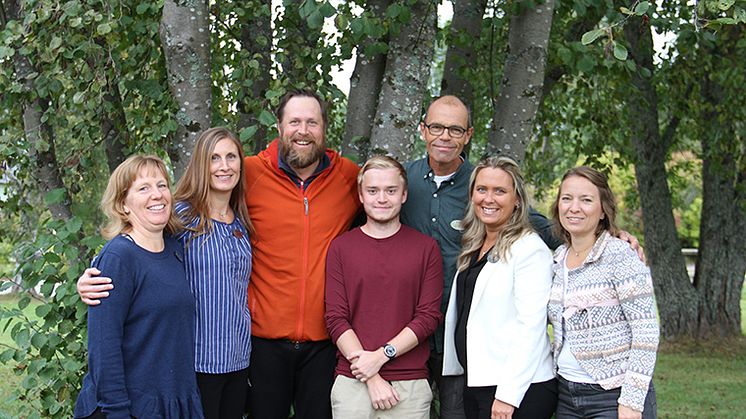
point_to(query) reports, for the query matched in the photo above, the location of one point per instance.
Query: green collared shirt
(437, 212)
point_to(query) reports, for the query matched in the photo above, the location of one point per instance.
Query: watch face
(389, 351)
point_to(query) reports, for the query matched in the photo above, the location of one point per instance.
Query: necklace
(578, 252)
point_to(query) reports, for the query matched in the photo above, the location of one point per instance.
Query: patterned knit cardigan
(609, 318)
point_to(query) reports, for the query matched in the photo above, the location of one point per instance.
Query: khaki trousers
(350, 400)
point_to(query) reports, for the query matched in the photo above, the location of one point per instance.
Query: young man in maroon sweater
(384, 283)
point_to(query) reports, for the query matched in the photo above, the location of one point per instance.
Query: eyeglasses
(454, 130)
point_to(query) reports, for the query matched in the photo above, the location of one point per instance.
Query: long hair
(606, 196)
(515, 227)
(194, 185)
(120, 181)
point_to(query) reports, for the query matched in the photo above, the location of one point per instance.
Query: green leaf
(626, 11)
(725, 4)
(586, 64)
(724, 21)
(327, 10)
(43, 310)
(22, 338)
(642, 8)
(55, 42)
(24, 302)
(248, 132)
(739, 14)
(142, 8)
(620, 52)
(6, 52)
(38, 340)
(631, 66)
(591, 36)
(78, 98)
(103, 28)
(55, 196)
(52, 257)
(315, 20)
(266, 118)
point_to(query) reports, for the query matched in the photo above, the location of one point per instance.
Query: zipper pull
(305, 203)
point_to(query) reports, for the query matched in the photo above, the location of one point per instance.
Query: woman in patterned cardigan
(601, 307)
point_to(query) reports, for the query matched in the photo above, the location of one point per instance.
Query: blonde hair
(381, 162)
(194, 185)
(515, 227)
(606, 196)
(120, 181)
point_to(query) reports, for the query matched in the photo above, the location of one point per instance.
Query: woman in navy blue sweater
(137, 363)
(217, 255)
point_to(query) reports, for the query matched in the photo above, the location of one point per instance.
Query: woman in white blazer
(496, 322)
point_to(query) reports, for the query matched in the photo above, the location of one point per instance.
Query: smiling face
(444, 150)
(148, 201)
(301, 132)
(579, 206)
(493, 197)
(382, 193)
(225, 166)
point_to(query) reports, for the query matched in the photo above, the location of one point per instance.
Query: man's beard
(300, 159)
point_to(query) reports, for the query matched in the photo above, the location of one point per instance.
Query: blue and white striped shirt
(218, 266)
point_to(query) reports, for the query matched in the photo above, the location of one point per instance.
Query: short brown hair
(302, 93)
(606, 196)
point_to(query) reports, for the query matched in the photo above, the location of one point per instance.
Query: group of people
(254, 276)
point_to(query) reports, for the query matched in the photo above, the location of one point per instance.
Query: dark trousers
(449, 390)
(223, 395)
(539, 402)
(591, 401)
(284, 373)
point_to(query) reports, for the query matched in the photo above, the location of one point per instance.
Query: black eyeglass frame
(453, 130)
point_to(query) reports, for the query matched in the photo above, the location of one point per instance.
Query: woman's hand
(628, 413)
(92, 287)
(502, 410)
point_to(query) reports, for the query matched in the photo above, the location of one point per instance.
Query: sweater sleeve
(337, 314)
(105, 337)
(532, 281)
(427, 314)
(634, 287)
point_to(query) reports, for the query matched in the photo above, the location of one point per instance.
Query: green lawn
(692, 380)
(8, 379)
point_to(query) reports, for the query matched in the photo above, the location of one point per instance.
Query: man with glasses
(438, 194)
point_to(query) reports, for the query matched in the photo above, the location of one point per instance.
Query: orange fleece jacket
(293, 230)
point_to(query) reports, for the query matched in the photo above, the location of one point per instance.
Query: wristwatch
(389, 350)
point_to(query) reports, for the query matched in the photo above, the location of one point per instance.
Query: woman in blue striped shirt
(210, 201)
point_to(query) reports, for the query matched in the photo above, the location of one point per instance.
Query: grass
(9, 381)
(692, 379)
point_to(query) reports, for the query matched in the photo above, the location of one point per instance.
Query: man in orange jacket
(300, 196)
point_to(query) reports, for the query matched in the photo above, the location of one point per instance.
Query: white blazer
(507, 344)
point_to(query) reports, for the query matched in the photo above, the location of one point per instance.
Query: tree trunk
(113, 120)
(185, 36)
(523, 77)
(365, 86)
(256, 40)
(677, 299)
(466, 28)
(39, 134)
(722, 252)
(404, 82)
